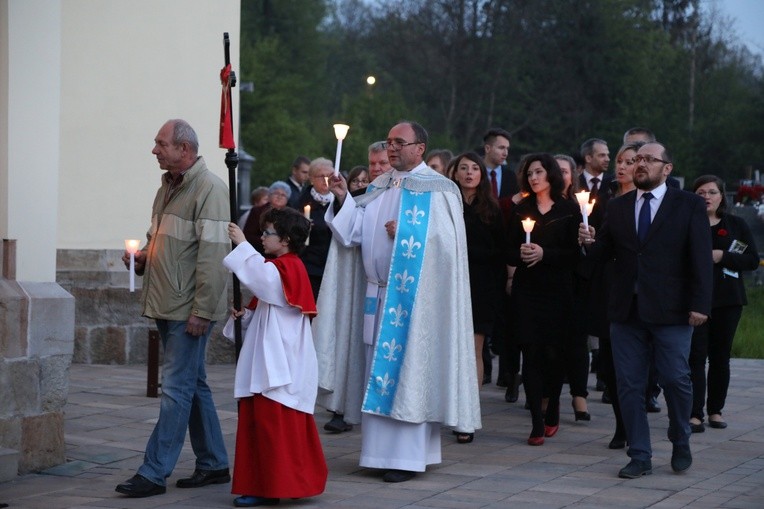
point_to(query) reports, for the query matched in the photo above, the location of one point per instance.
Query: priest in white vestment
(394, 328)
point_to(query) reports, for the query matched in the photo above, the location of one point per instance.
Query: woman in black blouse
(486, 250)
(542, 287)
(733, 252)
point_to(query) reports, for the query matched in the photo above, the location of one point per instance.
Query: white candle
(340, 131)
(588, 207)
(528, 228)
(306, 211)
(131, 246)
(582, 198)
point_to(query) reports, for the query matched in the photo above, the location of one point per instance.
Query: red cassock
(278, 451)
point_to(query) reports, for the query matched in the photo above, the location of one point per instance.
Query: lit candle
(583, 198)
(131, 246)
(589, 207)
(306, 211)
(340, 131)
(528, 227)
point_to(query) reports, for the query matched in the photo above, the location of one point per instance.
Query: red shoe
(535, 440)
(550, 431)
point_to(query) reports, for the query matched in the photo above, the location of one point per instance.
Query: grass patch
(749, 339)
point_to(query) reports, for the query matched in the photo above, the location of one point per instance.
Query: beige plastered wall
(86, 85)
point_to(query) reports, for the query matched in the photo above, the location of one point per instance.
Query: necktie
(595, 187)
(643, 225)
(494, 186)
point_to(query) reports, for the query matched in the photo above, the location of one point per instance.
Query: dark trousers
(712, 341)
(542, 375)
(607, 372)
(631, 341)
(575, 362)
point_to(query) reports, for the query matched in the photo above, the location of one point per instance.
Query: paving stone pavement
(109, 419)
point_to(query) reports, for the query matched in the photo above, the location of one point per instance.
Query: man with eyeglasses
(657, 237)
(398, 353)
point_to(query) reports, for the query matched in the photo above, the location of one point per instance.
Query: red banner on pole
(226, 122)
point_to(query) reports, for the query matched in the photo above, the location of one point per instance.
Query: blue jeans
(186, 402)
(635, 344)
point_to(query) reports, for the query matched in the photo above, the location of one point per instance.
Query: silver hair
(280, 186)
(377, 146)
(183, 133)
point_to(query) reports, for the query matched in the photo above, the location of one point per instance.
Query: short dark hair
(640, 130)
(664, 153)
(491, 134)
(587, 147)
(289, 224)
(708, 179)
(420, 133)
(553, 174)
(299, 161)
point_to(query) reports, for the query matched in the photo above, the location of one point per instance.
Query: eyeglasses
(279, 195)
(648, 159)
(268, 233)
(710, 192)
(398, 144)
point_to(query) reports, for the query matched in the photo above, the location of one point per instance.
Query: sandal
(464, 438)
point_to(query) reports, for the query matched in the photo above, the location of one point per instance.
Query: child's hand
(235, 234)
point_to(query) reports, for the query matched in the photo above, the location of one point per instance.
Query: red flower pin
(722, 232)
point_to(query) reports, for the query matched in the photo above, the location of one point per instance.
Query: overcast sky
(748, 18)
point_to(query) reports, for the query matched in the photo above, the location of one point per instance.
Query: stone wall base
(36, 347)
(109, 328)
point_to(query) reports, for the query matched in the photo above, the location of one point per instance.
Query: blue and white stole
(398, 305)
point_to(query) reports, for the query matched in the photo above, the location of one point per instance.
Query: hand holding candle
(340, 131)
(528, 228)
(131, 246)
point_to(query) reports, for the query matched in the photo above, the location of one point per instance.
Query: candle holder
(131, 246)
(340, 131)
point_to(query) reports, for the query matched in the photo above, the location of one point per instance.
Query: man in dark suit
(496, 143)
(595, 178)
(297, 181)
(660, 289)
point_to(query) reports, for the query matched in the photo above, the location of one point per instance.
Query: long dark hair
(707, 179)
(553, 175)
(485, 205)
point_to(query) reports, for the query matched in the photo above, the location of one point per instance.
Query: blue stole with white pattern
(403, 282)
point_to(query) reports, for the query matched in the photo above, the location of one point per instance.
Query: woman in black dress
(486, 249)
(733, 251)
(543, 284)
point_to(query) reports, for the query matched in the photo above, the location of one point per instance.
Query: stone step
(9, 464)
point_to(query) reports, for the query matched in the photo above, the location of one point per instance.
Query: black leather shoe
(636, 469)
(717, 423)
(337, 424)
(204, 477)
(681, 458)
(617, 443)
(697, 428)
(652, 405)
(398, 475)
(139, 487)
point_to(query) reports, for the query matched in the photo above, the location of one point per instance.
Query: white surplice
(277, 358)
